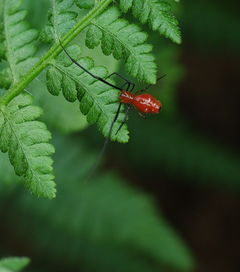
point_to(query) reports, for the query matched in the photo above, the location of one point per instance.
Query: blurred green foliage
(97, 224)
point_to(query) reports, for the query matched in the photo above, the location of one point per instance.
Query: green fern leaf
(26, 142)
(126, 41)
(58, 114)
(13, 264)
(98, 101)
(61, 18)
(19, 40)
(157, 14)
(63, 116)
(8, 176)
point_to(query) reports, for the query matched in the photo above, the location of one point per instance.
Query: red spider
(144, 103)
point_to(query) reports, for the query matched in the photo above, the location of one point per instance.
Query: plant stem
(52, 53)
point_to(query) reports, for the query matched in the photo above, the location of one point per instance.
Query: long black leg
(131, 85)
(111, 127)
(84, 69)
(95, 166)
(110, 130)
(125, 119)
(128, 86)
(142, 115)
(117, 74)
(114, 120)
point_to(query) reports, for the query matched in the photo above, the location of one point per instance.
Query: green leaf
(13, 264)
(86, 4)
(98, 101)
(61, 19)
(58, 113)
(157, 14)
(125, 41)
(19, 40)
(26, 142)
(7, 175)
(62, 115)
(5, 77)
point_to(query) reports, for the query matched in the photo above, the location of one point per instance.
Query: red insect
(144, 103)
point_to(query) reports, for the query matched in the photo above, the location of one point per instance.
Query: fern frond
(125, 41)
(157, 14)
(98, 101)
(26, 142)
(63, 116)
(13, 264)
(58, 114)
(62, 18)
(19, 40)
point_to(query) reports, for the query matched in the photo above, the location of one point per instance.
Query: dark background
(205, 212)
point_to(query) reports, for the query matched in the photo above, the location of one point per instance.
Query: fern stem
(52, 53)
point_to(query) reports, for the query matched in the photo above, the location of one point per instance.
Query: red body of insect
(144, 103)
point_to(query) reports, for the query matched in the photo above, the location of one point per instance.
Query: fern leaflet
(26, 142)
(98, 101)
(62, 18)
(13, 264)
(61, 115)
(125, 41)
(157, 14)
(86, 4)
(19, 40)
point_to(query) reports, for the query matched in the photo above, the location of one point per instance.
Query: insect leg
(118, 111)
(128, 86)
(95, 166)
(83, 68)
(124, 120)
(133, 86)
(123, 78)
(142, 115)
(117, 74)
